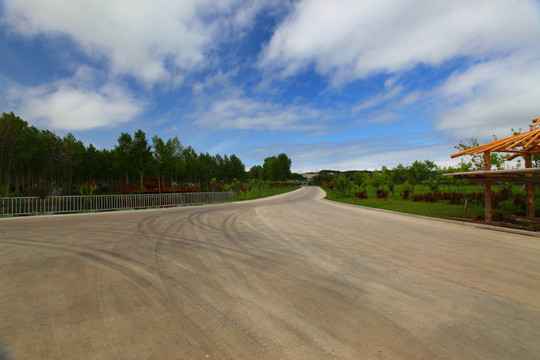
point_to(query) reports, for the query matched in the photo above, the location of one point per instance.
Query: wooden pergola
(524, 145)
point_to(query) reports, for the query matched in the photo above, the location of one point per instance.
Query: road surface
(292, 276)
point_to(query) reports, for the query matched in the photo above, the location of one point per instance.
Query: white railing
(80, 203)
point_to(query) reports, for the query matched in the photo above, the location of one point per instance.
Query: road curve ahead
(292, 276)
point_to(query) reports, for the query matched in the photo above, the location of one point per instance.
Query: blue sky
(341, 84)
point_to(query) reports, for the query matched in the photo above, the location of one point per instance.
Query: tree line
(34, 161)
(424, 173)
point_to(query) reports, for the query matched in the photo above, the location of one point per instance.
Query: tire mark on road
(141, 282)
(188, 290)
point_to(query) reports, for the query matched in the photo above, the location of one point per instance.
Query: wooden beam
(535, 122)
(513, 157)
(516, 179)
(519, 152)
(522, 171)
(494, 144)
(510, 142)
(535, 138)
(489, 204)
(530, 134)
(530, 189)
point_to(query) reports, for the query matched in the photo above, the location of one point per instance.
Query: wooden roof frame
(526, 145)
(513, 175)
(520, 144)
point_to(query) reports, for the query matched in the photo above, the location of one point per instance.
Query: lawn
(439, 209)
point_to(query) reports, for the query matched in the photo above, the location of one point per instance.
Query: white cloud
(379, 99)
(219, 80)
(350, 39)
(390, 159)
(491, 96)
(155, 41)
(242, 113)
(364, 154)
(73, 104)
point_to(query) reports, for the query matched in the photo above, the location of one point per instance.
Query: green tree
(123, 153)
(256, 172)
(277, 168)
(11, 130)
(361, 179)
(238, 169)
(91, 162)
(297, 177)
(497, 160)
(323, 177)
(284, 167)
(105, 170)
(270, 168)
(399, 174)
(341, 184)
(191, 160)
(177, 164)
(376, 180)
(140, 154)
(167, 157)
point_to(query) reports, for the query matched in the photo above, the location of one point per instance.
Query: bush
(520, 204)
(361, 195)
(453, 197)
(405, 194)
(506, 207)
(476, 197)
(504, 194)
(381, 194)
(432, 197)
(432, 184)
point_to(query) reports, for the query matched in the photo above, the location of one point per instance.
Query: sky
(334, 84)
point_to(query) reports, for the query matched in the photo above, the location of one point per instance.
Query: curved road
(292, 276)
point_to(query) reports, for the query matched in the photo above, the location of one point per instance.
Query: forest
(38, 162)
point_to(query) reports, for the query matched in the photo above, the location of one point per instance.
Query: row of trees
(34, 160)
(275, 168)
(425, 174)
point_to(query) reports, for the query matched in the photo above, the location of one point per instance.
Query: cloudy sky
(335, 84)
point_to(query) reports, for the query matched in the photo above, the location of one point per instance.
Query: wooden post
(530, 190)
(488, 203)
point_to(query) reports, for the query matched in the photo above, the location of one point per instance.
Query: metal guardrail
(71, 204)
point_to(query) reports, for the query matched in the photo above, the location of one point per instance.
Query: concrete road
(291, 277)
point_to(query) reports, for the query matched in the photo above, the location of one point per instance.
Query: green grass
(439, 209)
(419, 189)
(254, 194)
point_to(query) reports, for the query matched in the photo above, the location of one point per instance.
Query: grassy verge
(257, 194)
(439, 209)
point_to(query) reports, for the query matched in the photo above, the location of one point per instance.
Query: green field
(440, 209)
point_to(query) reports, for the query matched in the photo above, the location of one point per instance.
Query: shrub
(476, 197)
(506, 207)
(453, 197)
(432, 184)
(408, 187)
(505, 193)
(405, 194)
(520, 204)
(381, 194)
(431, 197)
(361, 195)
